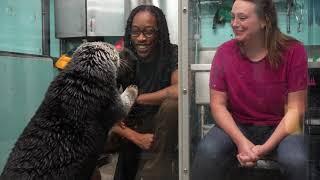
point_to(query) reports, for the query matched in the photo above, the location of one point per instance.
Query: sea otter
(67, 132)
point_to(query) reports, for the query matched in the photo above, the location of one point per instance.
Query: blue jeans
(216, 153)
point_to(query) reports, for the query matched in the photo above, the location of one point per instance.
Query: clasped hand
(144, 141)
(249, 154)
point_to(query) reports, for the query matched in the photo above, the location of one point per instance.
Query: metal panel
(206, 55)
(184, 116)
(202, 87)
(24, 81)
(170, 9)
(70, 18)
(202, 74)
(105, 18)
(21, 26)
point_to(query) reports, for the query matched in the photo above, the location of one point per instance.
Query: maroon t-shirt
(256, 92)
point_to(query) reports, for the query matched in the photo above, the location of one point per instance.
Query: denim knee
(214, 155)
(215, 145)
(292, 155)
(206, 149)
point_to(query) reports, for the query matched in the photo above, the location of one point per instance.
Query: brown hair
(275, 41)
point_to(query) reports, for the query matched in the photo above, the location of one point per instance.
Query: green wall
(23, 84)
(23, 78)
(21, 27)
(54, 43)
(213, 38)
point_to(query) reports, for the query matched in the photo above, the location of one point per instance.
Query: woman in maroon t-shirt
(258, 85)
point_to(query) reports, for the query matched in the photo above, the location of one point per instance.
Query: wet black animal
(64, 137)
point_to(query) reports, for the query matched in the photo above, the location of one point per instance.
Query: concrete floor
(107, 171)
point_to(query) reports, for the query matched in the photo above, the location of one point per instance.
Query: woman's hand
(261, 150)
(144, 141)
(245, 161)
(246, 156)
(140, 98)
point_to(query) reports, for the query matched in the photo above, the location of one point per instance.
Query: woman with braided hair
(149, 133)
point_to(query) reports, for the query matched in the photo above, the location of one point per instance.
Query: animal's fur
(68, 131)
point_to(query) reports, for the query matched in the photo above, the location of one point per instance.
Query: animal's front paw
(129, 96)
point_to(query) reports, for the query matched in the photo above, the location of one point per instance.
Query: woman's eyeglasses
(147, 32)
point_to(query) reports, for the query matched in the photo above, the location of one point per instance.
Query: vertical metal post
(45, 8)
(184, 135)
(202, 119)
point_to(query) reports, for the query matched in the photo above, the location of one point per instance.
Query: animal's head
(96, 57)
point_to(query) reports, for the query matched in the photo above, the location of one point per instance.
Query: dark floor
(107, 172)
(254, 174)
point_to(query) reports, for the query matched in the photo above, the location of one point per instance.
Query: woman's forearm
(225, 121)
(124, 131)
(144, 141)
(291, 123)
(156, 98)
(222, 116)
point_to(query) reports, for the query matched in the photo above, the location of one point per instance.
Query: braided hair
(163, 32)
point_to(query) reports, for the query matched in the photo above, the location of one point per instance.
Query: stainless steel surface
(184, 114)
(70, 18)
(206, 55)
(81, 18)
(201, 80)
(212, 2)
(313, 121)
(313, 64)
(105, 18)
(200, 67)
(202, 92)
(202, 87)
